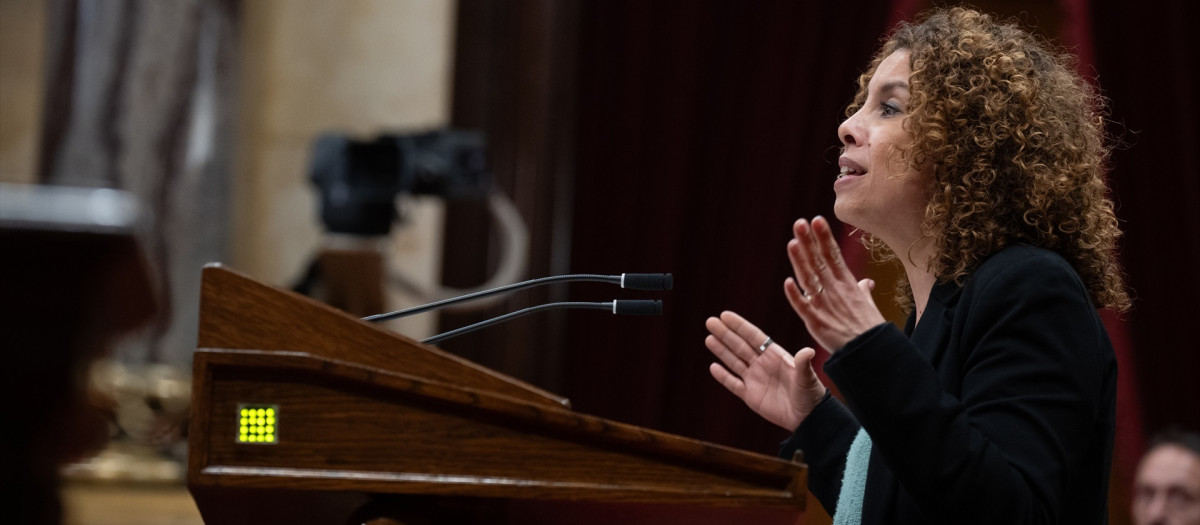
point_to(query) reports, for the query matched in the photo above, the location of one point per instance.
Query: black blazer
(998, 407)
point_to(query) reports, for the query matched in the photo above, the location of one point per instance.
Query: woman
(974, 157)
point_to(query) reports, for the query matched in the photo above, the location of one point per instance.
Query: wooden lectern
(304, 414)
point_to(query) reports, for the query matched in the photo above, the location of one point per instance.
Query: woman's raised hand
(835, 308)
(824, 293)
(781, 388)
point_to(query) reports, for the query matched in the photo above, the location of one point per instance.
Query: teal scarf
(854, 481)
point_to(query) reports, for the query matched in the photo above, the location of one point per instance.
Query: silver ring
(763, 347)
(815, 282)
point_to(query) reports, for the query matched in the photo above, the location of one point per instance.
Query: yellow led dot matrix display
(258, 424)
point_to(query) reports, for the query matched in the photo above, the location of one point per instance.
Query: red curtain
(1145, 59)
(705, 129)
(1077, 35)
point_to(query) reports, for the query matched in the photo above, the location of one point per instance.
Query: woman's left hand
(824, 293)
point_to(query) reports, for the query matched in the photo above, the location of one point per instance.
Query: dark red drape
(1146, 58)
(704, 130)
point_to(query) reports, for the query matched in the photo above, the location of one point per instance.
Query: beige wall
(307, 66)
(312, 66)
(22, 46)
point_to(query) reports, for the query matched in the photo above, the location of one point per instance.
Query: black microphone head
(647, 281)
(637, 307)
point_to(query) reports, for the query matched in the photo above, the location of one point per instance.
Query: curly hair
(1016, 142)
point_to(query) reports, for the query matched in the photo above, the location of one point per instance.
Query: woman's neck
(921, 283)
(916, 261)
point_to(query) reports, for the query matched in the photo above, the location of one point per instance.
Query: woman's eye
(889, 109)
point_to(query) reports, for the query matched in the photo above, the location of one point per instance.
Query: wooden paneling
(369, 421)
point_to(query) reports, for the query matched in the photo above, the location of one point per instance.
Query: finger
(834, 264)
(736, 353)
(807, 263)
(729, 381)
(805, 373)
(799, 251)
(800, 268)
(816, 257)
(803, 361)
(800, 304)
(867, 285)
(750, 334)
(725, 355)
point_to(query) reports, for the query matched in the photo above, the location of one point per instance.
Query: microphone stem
(551, 306)
(616, 279)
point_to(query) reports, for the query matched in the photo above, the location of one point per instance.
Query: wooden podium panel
(414, 434)
(237, 312)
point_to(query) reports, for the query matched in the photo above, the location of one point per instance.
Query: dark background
(686, 137)
(680, 136)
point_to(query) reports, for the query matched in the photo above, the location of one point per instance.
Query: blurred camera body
(359, 180)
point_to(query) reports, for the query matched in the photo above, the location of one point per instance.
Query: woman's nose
(849, 132)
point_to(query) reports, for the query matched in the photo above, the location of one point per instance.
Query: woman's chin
(844, 212)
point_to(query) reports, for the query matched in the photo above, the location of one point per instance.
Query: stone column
(140, 96)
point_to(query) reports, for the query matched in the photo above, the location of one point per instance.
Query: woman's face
(876, 190)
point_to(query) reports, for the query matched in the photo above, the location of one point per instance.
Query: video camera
(359, 180)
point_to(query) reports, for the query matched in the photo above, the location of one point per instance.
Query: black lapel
(932, 334)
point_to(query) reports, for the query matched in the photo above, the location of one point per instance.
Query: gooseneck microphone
(629, 281)
(618, 307)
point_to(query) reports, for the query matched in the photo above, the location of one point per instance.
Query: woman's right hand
(782, 388)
